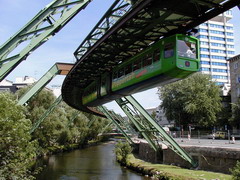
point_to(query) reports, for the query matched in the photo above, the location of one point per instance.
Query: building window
(218, 44)
(229, 40)
(219, 77)
(204, 43)
(219, 64)
(204, 56)
(235, 65)
(216, 26)
(229, 34)
(220, 70)
(229, 27)
(217, 38)
(218, 51)
(204, 69)
(204, 49)
(205, 62)
(230, 52)
(218, 57)
(238, 79)
(216, 32)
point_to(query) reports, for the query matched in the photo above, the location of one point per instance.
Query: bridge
(126, 28)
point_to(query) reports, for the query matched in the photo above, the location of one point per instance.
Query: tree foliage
(122, 150)
(234, 120)
(194, 100)
(236, 171)
(16, 148)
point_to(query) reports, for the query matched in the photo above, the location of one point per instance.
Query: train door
(105, 87)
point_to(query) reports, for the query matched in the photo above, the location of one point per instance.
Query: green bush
(122, 150)
(236, 171)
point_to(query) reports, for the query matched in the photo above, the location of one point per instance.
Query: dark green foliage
(234, 120)
(16, 148)
(58, 132)
(236, 171)
(122, 150)
(194, 100)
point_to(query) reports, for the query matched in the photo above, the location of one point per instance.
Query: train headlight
(187, 63)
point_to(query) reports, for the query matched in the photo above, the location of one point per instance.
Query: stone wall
(208, 158)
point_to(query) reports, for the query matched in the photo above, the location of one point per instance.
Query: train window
(121, 73)
(115, 75)
(168, 50)
(128, 69)
(156, 55)
(147, 60)
(186, 49)
(137, 64)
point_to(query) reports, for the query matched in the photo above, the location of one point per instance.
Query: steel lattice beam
(56, 69)
(113, 14)
(150, 128)
(43, 117)
(110, 117)
(37, 31)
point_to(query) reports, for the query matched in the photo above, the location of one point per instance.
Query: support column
(108, 115)
(154, 131)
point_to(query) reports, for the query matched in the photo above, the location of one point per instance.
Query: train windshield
(187, 49)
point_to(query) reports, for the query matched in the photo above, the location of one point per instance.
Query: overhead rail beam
(56, 69)
(144, 23)
(37, 31)
(113, 14)
(150, 129)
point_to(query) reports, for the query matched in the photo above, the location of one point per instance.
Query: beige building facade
(234, 64)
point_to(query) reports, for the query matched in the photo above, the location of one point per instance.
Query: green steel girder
(42, 27)
(141, 129)
(74, 116)
(123, 122)
(113, 14)
(130, 105)
(56, 69)
(104, 129)
(109, 116)
(43, 117)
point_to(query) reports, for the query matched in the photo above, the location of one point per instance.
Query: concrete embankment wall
(209, 158)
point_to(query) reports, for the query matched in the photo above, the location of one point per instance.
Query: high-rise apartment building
(216, 46)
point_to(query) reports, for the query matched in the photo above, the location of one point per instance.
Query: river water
(93, 163)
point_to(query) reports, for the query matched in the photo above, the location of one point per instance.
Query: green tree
(234, 120)
(16, 148)
(122, 150)
(194, 100)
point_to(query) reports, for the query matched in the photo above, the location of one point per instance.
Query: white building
(216, 46)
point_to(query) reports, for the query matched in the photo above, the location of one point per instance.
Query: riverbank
(161, 171)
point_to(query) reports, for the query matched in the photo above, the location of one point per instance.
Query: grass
(174, 172)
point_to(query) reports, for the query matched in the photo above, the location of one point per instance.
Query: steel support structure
(116, 123)
(149, 128)
(43, 117)
(56, 69)
(113, 14)
(37, 31)
(123, 122)
(74, 116)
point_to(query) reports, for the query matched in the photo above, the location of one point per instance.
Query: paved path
(209, 143)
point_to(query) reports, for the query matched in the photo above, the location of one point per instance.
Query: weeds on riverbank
(162, 171)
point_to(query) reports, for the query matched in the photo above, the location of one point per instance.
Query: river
(92, 163)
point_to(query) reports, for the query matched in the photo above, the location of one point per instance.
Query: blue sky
(15, 14)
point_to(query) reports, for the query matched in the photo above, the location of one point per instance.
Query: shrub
(236, 171)
(122, 150)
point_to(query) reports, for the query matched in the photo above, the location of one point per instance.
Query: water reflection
(93, 163)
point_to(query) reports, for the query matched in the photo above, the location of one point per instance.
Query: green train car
(168, 60)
